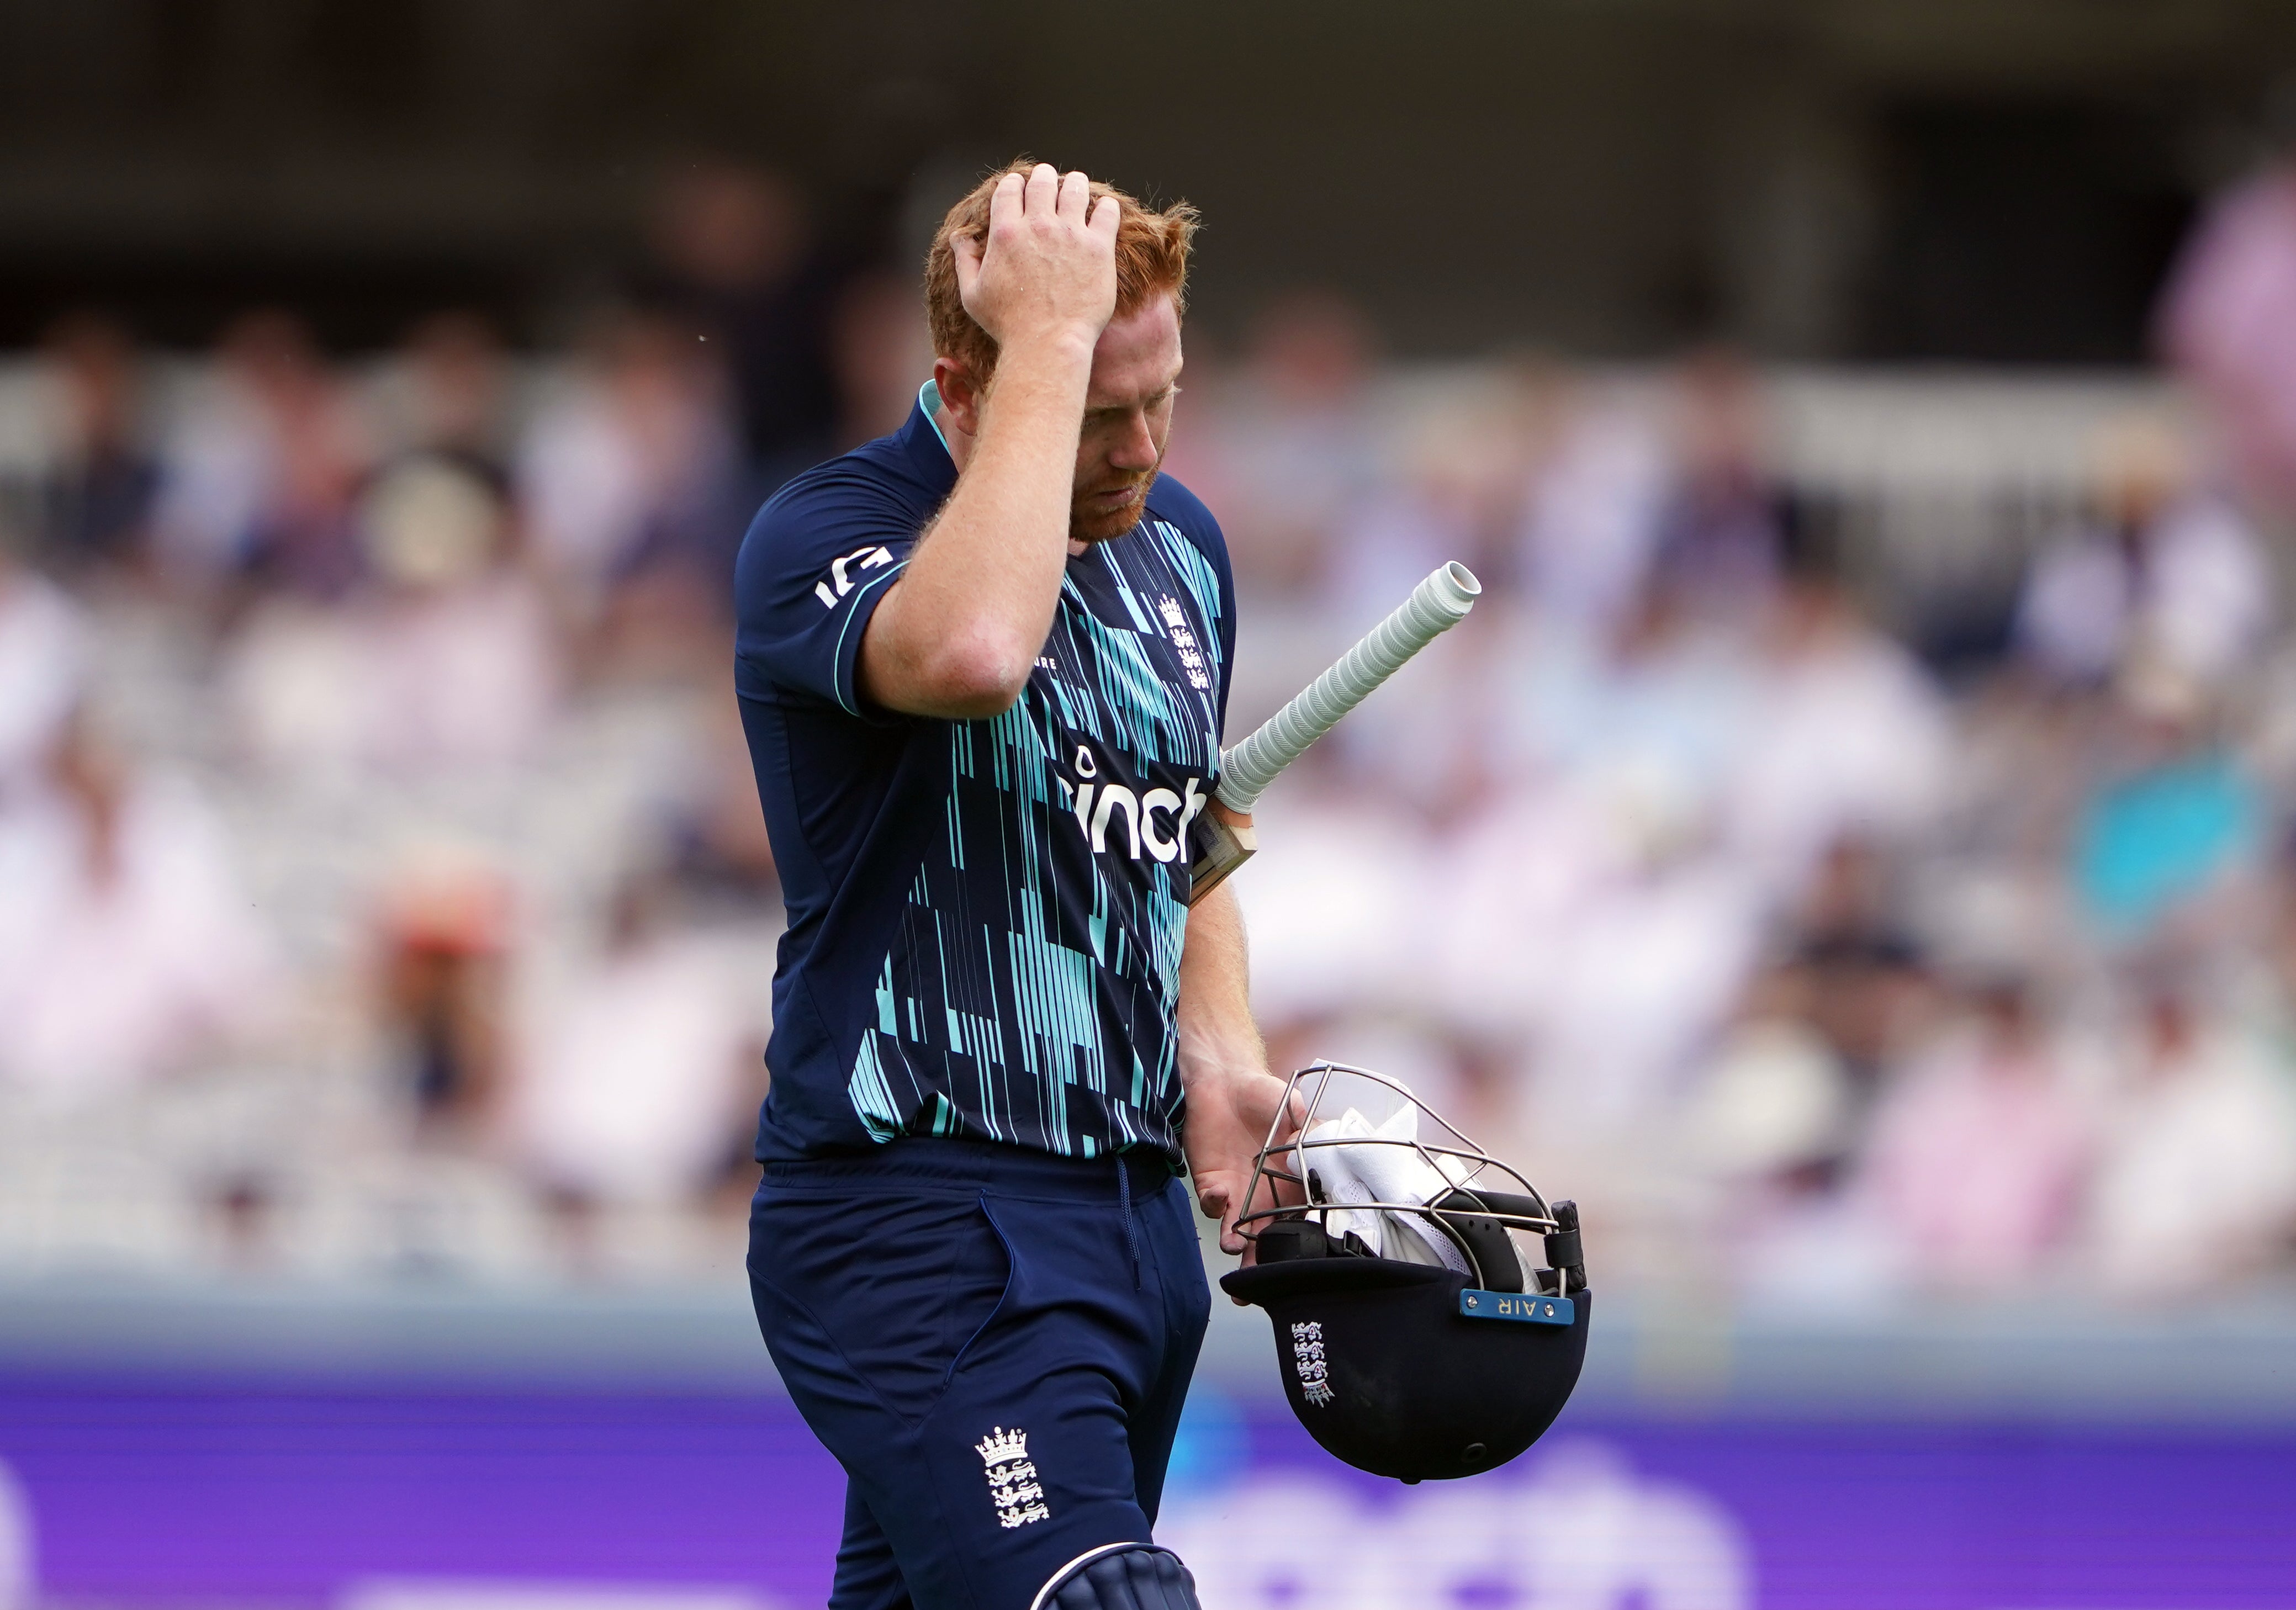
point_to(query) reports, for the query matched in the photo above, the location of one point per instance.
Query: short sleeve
(817, 560)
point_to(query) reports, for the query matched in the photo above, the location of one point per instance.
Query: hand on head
(1046, 271)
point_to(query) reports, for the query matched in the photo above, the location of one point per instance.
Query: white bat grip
(1435, 606)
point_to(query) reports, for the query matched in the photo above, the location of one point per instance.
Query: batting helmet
(1411, 1341)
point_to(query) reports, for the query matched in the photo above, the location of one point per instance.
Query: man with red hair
(983, 664)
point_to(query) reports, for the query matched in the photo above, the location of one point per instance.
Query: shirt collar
(929, 404)
(926, 447)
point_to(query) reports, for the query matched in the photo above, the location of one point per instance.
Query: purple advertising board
(133, 1492)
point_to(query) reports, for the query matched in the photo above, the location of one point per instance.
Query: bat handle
(1435, 606)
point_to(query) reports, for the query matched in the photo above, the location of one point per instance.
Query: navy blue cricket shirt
(985, 917)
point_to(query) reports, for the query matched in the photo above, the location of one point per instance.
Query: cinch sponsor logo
(1099, 802)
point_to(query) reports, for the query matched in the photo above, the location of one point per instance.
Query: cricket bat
(1221, 837)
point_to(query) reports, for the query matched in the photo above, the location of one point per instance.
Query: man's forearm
(1217, 1033)
(957, 633)
(1234, 1103)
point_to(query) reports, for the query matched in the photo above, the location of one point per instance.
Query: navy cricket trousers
(995, 1345)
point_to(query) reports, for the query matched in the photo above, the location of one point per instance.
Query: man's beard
(1086, 524)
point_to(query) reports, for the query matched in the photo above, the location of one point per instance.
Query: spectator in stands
(1765, 1130)
(2020, 768)
(1851, 738)
(1870, 984)
(1595, 492)
(96, 495)
(45, 658)
(127, 949)
(636, 1069)
(259, 480)
(629, 482)
(1301, 447)
(1661, 691)
(1426, 739)
(1722, 533)
(2229, 318)
(2172, 820)
(1768, 1129)
(1335, 942)
(718, 853)
(2197, 1183)
(444, 933)
(456, 647)
(451, 392)
(1653, 958)
(1436, 505)
(2166, 572)
(446, 659)
(1591, 923)
(1772, 1114)
(1980, 1147)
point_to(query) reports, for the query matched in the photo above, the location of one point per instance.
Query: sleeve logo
(1012, 1484)
(841, 573)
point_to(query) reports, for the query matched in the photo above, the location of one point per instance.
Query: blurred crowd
(385, 885)
(382, 887)
(1820, 970)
